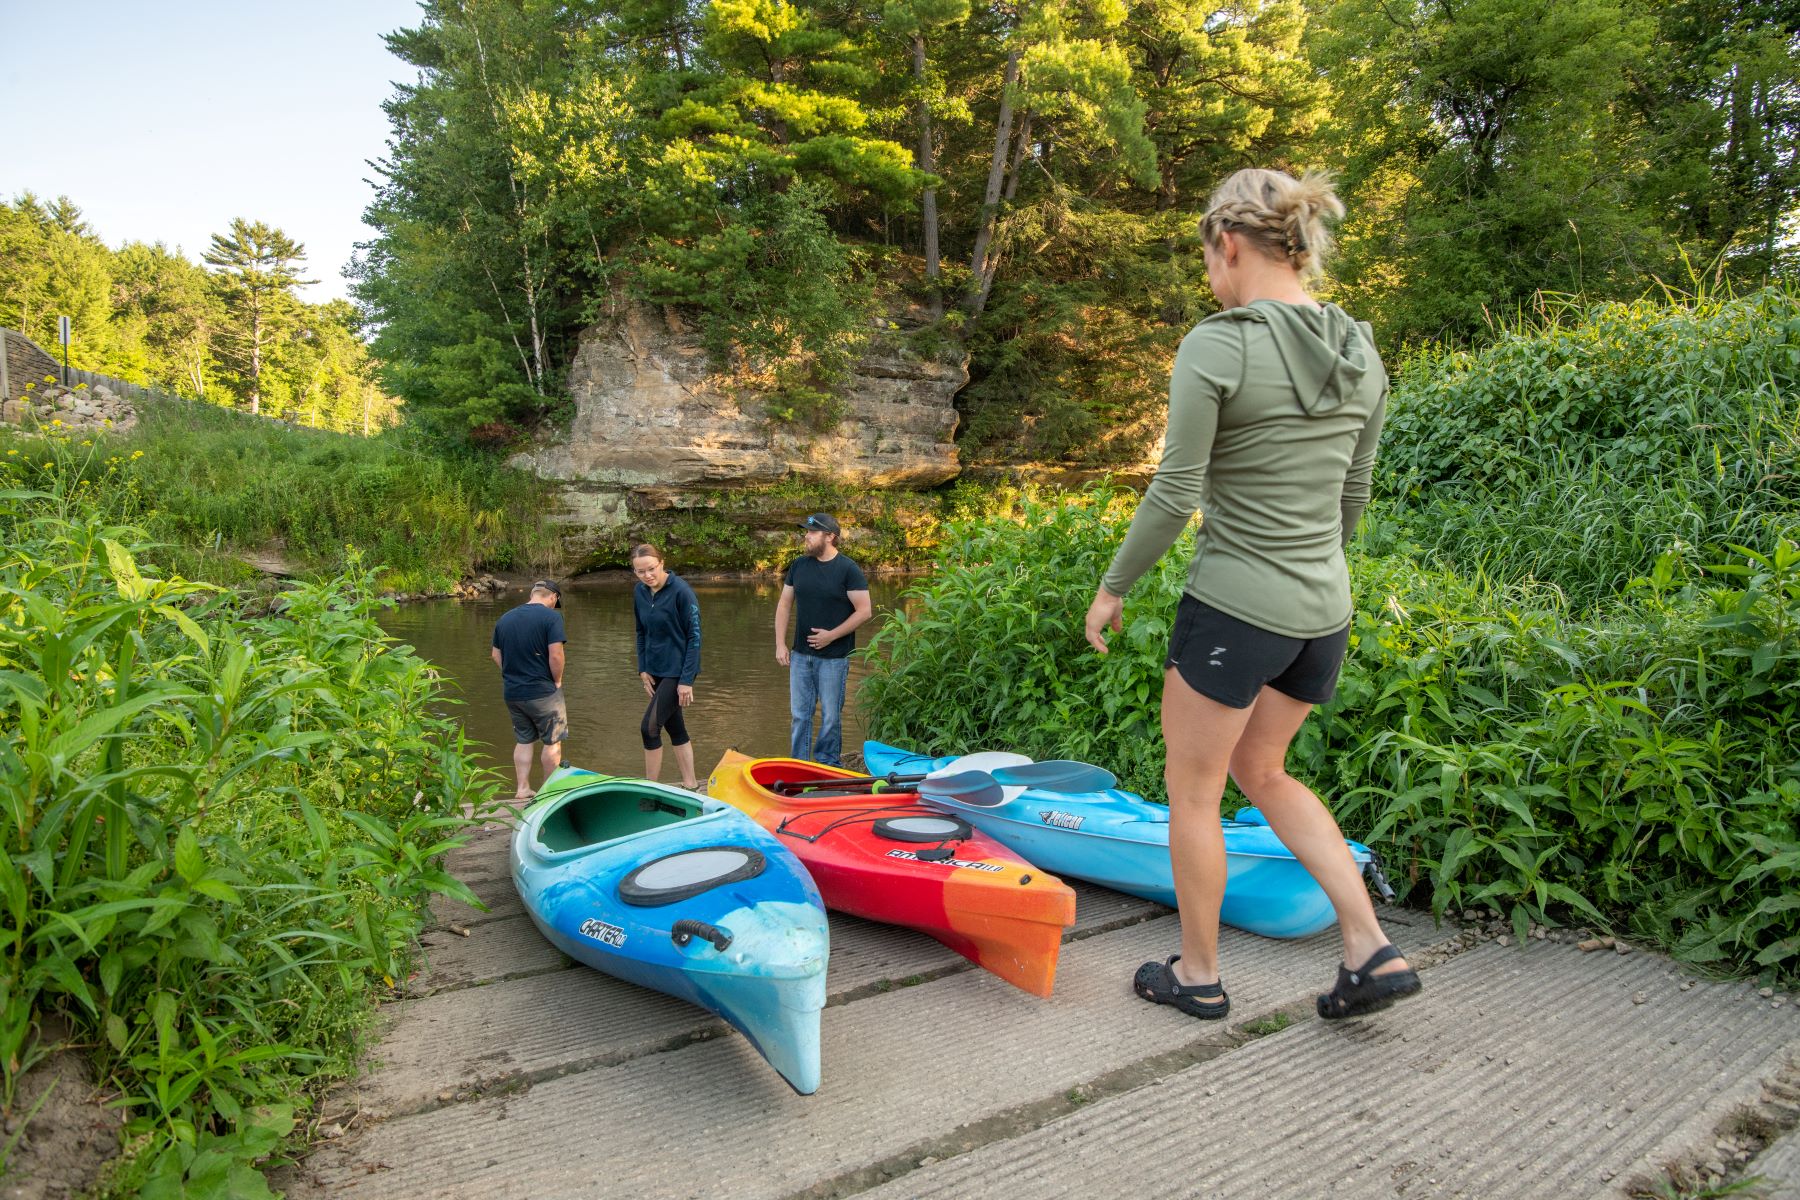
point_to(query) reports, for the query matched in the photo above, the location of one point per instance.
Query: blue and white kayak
(685, 895)
(1120, 840)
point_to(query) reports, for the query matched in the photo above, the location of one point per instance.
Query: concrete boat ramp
(1543, 1072)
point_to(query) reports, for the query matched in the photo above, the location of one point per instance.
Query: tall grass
(218, 483)
(1574, 684)
(1581, 446)
(220, 825)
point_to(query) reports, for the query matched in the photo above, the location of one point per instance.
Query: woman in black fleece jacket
(668, 659)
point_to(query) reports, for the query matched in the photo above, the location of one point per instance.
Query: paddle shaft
(793, 787)
(1060, 775)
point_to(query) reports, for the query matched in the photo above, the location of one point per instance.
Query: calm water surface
(740, 697)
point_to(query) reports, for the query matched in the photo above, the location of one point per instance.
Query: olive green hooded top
(1274, 414)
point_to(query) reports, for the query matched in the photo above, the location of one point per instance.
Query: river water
(740, 697)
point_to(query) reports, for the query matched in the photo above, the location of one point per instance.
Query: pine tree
(257, 267)
(1064, 87)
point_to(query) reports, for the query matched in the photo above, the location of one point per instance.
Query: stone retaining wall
(22, 362)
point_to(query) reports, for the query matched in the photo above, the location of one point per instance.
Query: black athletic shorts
(545, 719)
(1230, 661)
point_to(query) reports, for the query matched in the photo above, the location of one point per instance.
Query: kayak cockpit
(595, 816)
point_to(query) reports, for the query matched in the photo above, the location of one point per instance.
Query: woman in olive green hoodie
(1275, 409)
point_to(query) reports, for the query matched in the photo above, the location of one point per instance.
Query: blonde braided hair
(1282, 216)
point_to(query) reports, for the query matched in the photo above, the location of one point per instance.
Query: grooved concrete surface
(1515, 1074)
(1780, 1166)
(1531, 1074)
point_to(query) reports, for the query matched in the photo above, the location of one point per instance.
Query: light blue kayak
(676, 892)
(1120, 840)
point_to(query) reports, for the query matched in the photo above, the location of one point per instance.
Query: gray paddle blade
(976, 789)
(1058, 775)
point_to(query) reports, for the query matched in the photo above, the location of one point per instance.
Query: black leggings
(664, 713)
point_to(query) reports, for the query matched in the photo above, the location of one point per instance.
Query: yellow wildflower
(137, 454)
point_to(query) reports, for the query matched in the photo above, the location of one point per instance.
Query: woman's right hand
(1106, 612)
(649, 683)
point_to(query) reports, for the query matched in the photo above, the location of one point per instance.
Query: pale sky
(164, 119)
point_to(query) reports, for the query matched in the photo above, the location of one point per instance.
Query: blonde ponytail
(1282, 216)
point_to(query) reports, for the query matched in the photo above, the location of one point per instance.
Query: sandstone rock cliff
(656, 428)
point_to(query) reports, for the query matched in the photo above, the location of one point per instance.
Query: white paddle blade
(976, 789)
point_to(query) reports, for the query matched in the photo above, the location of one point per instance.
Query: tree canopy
(1027, 176)
(236, 335)
(1020, 181)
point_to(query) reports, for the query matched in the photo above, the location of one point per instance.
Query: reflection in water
(740, 698)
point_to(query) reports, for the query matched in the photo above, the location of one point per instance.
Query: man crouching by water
(528, 649)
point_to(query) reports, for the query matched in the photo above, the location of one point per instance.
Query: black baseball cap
(544, 585)
(822, 521)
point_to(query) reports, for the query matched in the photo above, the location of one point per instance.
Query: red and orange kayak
(888, 857)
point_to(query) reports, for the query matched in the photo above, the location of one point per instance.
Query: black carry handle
(1378, 879)
(686, 930)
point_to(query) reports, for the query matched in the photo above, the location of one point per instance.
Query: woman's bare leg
(684, 764)
(1303, 823)
(1198, 735)
(653, 764)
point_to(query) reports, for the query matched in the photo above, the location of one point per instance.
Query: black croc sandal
(1358, 992)
(1156, 982)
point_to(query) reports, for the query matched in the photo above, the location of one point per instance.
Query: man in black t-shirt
(833, 599)
(528, 649)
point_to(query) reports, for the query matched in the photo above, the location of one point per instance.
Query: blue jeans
(821, 681)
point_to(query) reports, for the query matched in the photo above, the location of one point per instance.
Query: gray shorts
(545, 719)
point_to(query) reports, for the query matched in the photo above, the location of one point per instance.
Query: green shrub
(1639, 769)
(988, 651)
(782, 302)
(1644, 769)
(1578, 449)
(220, 825)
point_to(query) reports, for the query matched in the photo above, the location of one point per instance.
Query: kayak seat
(601, 816)
(923, 829)
(686, 873)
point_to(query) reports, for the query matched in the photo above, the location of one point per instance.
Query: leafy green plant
(220, 825)
(782, 302)
(1590, 439)
(1644, 770)
(989, 649)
